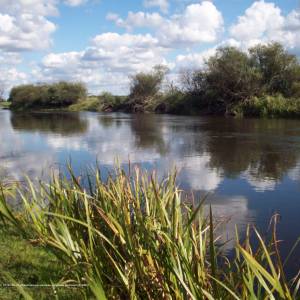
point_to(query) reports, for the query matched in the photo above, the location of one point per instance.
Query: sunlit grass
(134, 237)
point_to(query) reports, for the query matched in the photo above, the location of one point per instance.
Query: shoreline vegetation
(263, 81)
(130, 237)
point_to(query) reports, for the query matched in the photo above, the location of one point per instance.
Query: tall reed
(135, 237)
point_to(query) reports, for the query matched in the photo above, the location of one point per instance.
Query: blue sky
(102, 42)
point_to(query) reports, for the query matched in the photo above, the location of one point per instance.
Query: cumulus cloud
(35, 7)
(106, 63)
(139, 19)
(194, 60)
(25, 32)
(10, 75)
(198, 174)
(199, 23)
(264, 22)
(24, 24)
(173, 39)
(162, 4)
(75, 2)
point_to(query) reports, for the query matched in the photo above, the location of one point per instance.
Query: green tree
(230, 78)
(145, 86)
(280, 70)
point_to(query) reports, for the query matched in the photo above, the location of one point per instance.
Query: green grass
(134, 237)
(269, 106)
(5, 104)
(104, 102)
(27, 263)
(88, 104)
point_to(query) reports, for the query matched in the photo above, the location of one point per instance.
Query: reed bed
(135, 237)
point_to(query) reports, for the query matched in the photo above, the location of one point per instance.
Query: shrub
(231, 77)
(145, 86)
(112, 102)
(269, 106)
(61, 94)
(87, 104)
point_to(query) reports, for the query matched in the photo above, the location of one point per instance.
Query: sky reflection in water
(251, 168)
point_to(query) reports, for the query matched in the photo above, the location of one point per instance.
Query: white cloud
(232, 214)
(110, 57)
(199, 23)
(194, 60)
(106, 63)
(24, 24)
(10, 75)
(25, 32)
(260, 19)
(264, 22)
(260, 184)
(162, 4)
(139, 19)
(34, 7)
(75, 2)
(198, 173)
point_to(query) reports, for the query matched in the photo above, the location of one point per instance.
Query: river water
(249, 167)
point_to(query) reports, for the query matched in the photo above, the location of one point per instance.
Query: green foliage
(280, 70)
(112, 102)
(61, 94)
(145, 86)
(228, 83)
(232, 77)
(104, 102)
(5, 104)
(133, 237)
(269, 106)
(87, 104)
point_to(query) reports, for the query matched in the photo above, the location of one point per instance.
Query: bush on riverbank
(231, 77)
(137, 238)
(145, 89)
(232, 80)
(268, 106)
(105, 102)
(56, 95)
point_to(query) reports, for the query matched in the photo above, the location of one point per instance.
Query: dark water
(250, 167)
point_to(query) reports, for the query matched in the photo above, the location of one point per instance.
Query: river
(250, 168)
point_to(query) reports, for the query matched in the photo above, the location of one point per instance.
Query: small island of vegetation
(263, 82)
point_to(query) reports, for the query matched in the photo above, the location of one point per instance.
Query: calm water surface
(251, 168)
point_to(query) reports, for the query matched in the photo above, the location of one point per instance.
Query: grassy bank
(29, 263)
(268, 106)
(106, 102)
(5, 104)
(134, 237)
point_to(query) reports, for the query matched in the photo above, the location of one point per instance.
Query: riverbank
(263, 107)
(179, 104)
(24, 261)
(261, 82)
(137, 237)
(5, 104)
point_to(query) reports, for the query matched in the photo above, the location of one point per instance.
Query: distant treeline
(263, 81)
